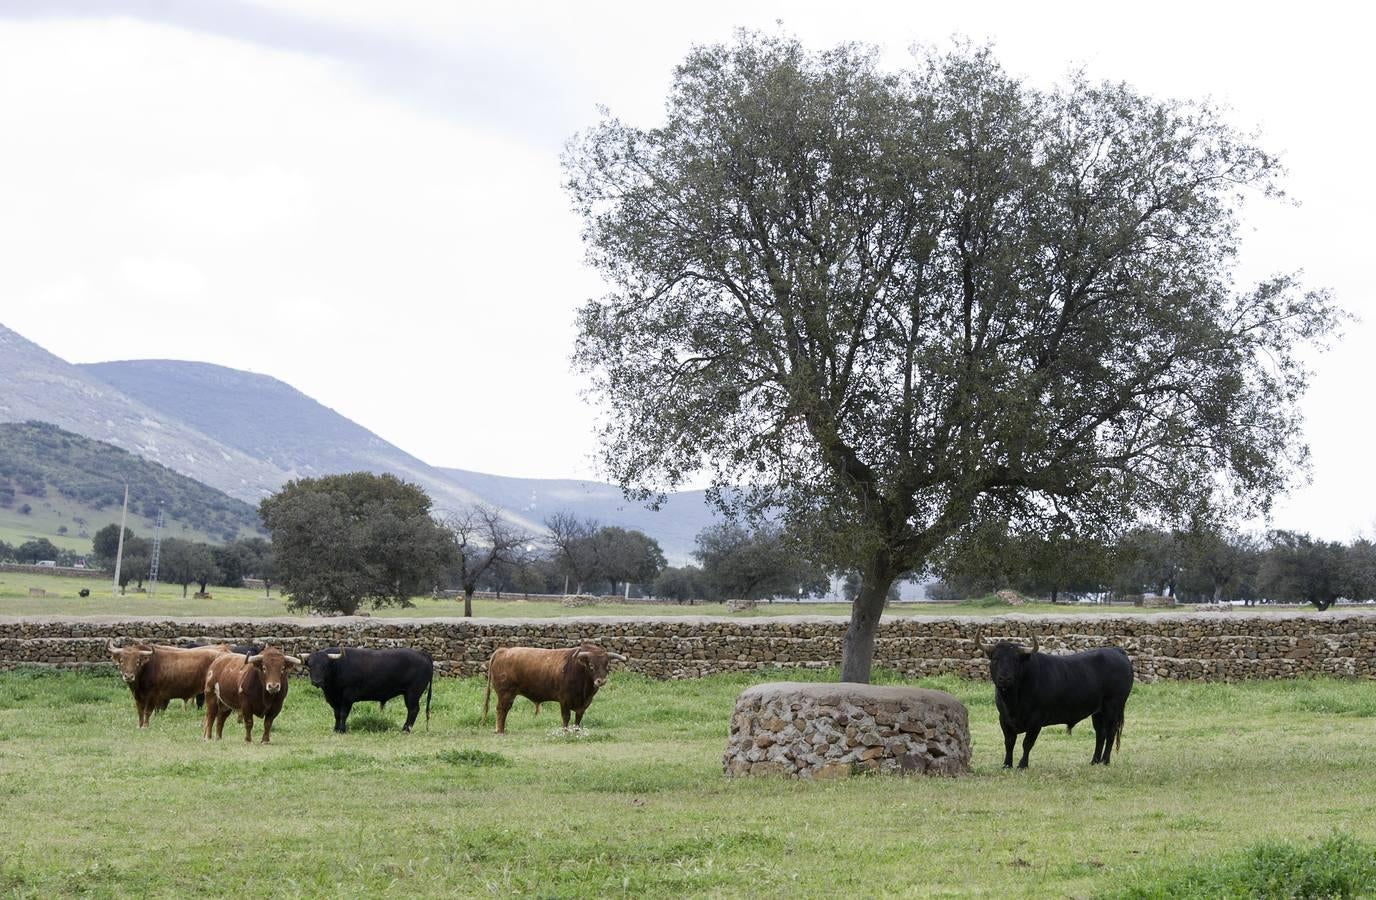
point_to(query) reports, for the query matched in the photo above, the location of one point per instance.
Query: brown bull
(569, 677)
(157, 674)
(249, 685)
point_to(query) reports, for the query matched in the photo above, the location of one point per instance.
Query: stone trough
(809, 730)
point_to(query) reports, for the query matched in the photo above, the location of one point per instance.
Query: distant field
(638, 805)
(53, 512)
(62, 599)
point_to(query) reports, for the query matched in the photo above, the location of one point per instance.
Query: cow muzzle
(274, 687)
(598, 682)
(128, 679)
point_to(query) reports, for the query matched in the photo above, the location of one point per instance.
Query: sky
(365, 199)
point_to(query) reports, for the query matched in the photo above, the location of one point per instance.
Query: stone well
(809, 730)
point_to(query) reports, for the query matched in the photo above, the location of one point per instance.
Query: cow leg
(212, 712)
(564, 715)
(248, 726)
(341, 717)
(504, 702)
(1027, 741)
(1010, 738)
(267, 727)
(1100, 719)
(220, 722)
(412, 710)
(578, 717)
(1113, 720)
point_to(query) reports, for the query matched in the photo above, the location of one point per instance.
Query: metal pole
(119, 550)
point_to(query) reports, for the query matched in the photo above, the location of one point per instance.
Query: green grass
(1339, 866)
(637, 805)
(63, 600)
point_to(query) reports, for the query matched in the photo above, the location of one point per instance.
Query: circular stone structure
(809, 730)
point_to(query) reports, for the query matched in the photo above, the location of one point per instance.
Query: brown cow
(569, 677)
(157, 674)
(251, 685)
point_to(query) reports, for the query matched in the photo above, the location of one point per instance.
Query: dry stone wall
(1162, 645)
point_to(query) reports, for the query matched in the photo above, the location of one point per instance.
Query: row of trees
(185, 562)
(1198, 564)
(32, 551)
(345, 540)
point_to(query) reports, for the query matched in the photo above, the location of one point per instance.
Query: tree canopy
(341, 540)
(893, 305)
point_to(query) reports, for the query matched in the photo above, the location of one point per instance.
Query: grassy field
(637, 806)
(63, 599)
(48, 515)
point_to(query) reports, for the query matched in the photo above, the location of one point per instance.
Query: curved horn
(145, 652)
(292, 660)
(616, 656)
(1034, 644)
(254, 658)
(979, 642)
(339, 655)
(111, 647)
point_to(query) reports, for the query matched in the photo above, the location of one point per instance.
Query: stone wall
(1163, 645)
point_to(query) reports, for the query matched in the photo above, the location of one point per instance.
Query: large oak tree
(895, 304)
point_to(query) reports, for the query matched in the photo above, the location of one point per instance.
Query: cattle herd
(1032, 690)
(251, 680)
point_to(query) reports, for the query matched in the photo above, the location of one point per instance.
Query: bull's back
(383, 674)
(180, 674)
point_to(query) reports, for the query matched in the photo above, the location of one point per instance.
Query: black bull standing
(1033, 690)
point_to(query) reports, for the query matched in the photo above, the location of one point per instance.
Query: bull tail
(1118, 737)
(429, 690)
(487, 693)
(1069, 728)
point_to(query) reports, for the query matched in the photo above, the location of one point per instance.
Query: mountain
(57, 484)
(247, 434)
(39, 386)
(273, 422)
(675, 524)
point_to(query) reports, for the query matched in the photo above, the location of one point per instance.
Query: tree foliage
(342, 540)
(482, 539)
(757, 564)
(893, 304)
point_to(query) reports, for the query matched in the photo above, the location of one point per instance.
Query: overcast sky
(364, 199)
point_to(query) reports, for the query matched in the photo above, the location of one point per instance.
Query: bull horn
(979, 643)
(1034, 643)
(145, 653)
(616, 656)
(292, 660)
(254, 658)
(111, 647)
(339, 655)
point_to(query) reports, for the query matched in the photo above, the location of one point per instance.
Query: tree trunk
(1218, 592)
(857, 650)
(468, 603)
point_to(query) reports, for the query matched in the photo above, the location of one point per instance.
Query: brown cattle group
(252, 681)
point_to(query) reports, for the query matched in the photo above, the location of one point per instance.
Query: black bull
(1033, 690)
(349, 675)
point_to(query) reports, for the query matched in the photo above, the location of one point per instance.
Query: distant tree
(889, 305)
(624, 555)
(231, 560)
(134, 568)
(481, 541)
(6, 552)
(259, 561)
(203, 568)
(342, 540)
(1361, 570)
(1221, 563)
(574, 551)
(1298, 568)
(177, 562)
(35, 550)
(757, 564)
(105, 544)
(682, 584)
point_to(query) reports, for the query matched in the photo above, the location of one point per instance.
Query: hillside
(39, 386)
(675, 524)
(73, 485)
(271, 421)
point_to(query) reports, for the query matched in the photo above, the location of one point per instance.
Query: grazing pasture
(636, 805)
(62, 600)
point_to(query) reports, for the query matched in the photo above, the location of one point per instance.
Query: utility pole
(119, 549)
(157, 554)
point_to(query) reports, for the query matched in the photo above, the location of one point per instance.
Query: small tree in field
(482, 540)
(892, 305)
(342, 540)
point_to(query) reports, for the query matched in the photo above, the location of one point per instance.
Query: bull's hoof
(1008, 765)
